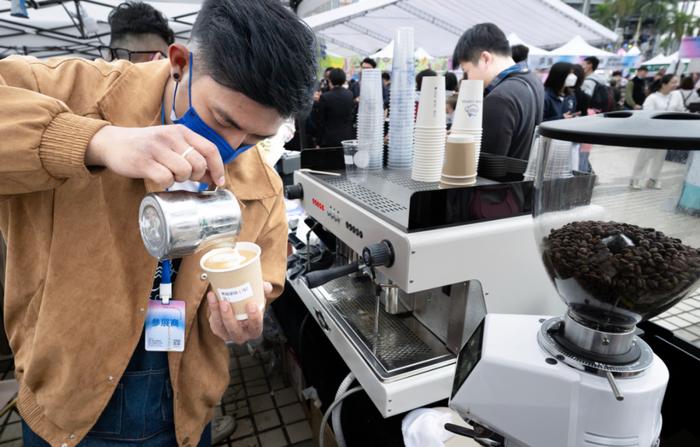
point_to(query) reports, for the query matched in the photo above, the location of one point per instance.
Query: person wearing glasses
(81, 143)
(138, 33)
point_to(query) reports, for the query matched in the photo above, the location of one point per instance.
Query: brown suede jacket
(78, 276)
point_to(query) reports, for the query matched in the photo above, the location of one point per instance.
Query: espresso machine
(625, 255)
(410, 260)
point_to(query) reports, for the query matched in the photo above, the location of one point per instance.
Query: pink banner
(690, 48)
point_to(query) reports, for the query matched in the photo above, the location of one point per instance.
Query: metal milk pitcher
(179, 223)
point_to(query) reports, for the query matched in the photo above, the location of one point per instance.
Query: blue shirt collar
(504, 74)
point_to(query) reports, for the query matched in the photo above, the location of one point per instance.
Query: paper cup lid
(460, 139)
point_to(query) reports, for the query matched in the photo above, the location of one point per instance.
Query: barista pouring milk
(77, 140)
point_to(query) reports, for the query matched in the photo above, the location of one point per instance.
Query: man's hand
(224, 324)
(162, 154)
(637, 107)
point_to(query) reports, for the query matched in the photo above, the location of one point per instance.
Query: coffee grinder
(618, 258)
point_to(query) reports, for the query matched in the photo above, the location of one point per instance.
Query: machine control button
(378, 255)
(293, 192)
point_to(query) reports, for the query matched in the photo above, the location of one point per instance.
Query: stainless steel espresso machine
(409, 259)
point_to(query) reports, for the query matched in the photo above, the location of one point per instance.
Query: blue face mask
(192, 121)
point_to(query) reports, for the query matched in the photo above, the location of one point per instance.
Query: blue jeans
(584, 165)
(140, 412)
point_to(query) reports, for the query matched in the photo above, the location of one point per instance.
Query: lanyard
(166, 284)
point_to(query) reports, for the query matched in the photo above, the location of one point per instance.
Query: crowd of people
(516, 101)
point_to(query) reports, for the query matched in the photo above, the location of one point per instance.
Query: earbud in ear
(176, 76)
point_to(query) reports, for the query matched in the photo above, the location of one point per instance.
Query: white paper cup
(470, 105)
(431, 107)
(238, 285)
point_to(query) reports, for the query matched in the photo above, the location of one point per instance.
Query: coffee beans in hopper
(633, 268)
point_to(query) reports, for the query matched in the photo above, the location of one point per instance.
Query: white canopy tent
(577, 46)
(660, 59)
(364, 27)
(57, 28)
(388, 53)
(514, 39)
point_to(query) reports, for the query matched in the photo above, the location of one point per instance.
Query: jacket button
(203, 276)
(71, 436)
(64, 445)
(110, 379)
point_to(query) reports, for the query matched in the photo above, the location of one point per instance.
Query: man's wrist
(93, 154)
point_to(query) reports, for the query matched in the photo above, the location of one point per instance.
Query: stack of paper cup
(430, 131)
(402, 102)
(370, 119)
(459, 167)
(468, 115)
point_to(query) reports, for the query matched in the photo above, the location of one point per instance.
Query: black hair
(386, 76)
(421, 75)
(327, 70)
(479, 38)
(557, 76)
(260, 49)
(337, 77)
(617, 73)
(580, 76)
(370, 61)
(138, 18)
(519, 52)
(643, 68)
(594, 61)
(687, 83)
(665, 79)
(450, 82)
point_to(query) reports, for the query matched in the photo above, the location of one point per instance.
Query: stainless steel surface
(550, 345)
(468, 310)
(179, 223)
(613, 386)
(596, 341)
(390, 298)
(400, 346)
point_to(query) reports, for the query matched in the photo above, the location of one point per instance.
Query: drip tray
(401, 345)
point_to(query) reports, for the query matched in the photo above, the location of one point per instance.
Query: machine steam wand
(380, 254)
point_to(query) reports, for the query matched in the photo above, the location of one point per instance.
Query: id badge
(165, 326)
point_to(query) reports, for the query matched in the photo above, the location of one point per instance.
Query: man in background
(520, 53)
(386, 88)
(597, 87)
(138, 33)
(636, 90)
(335, 112)
(514, 96)
(367, 63)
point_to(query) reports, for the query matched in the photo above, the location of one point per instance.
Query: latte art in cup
(235, 276)
(227, 259)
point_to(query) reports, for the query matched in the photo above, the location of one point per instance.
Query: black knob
(379, 255)
(293, 192)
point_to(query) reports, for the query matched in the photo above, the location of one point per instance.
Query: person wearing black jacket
(636, 91)
(335, 112)
(582, 99)
(514, 96)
